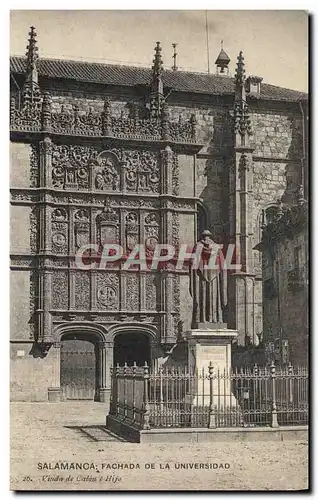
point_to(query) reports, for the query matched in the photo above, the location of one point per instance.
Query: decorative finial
(174, 57)
(32, 57)
(156, 94)
(157, 62)
(31, 96)
(240, 70)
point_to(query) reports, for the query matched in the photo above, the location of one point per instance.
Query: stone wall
(290, 304)
(30, 373)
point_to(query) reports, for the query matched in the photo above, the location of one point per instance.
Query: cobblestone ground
(46, 433)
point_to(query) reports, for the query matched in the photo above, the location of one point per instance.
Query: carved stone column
(54, 392)
(166, 170)
(43, 314)
(105, 362)
(241, 285)
(45, 162)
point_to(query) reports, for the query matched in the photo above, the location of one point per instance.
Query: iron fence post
(161, 406)
(117, 389)
(125, 389)
(212, 421)
(134, 392)
(146, 416)
(290, 373)
(274, 422)
(111, 403)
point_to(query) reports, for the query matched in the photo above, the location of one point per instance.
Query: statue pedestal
(205, 346)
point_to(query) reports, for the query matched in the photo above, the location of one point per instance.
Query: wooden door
(78, 369)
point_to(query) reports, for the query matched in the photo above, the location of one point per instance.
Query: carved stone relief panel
(34, 230)
(132, 291)
(152, 231)
(175, 230)
(142, 173)
(71, 166)
(107, 172)
(59, 228)
(81, 228)
(131, 230)
(107, 290)
(34, 166)
(175, 175)
(152, 291)
(60, 289)
(107, 224)
(176, 293)
(82, 290)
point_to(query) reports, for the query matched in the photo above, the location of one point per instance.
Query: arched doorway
(130, 347)
(79, 367)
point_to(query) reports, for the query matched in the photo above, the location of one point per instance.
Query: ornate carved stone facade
(134, 166)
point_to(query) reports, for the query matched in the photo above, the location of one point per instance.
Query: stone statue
(208, 287)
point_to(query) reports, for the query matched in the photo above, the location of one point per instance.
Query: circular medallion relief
(58, 239)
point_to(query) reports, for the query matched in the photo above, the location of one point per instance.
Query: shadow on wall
(215, 195)
(294, 167)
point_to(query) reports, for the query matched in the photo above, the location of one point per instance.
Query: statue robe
(208, 287)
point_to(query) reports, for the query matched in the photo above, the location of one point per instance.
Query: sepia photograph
(159, 250)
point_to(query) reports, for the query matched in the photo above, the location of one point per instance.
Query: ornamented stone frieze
(60, 263)
(184, 205)
(136, 129)
(21, 195)
(22, 261)
(27, 119)
(36, 117)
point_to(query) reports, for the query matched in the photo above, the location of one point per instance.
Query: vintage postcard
(159, 250)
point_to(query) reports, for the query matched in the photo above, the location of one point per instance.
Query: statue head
(206, 234)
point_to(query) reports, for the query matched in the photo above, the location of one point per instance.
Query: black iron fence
(176, 397)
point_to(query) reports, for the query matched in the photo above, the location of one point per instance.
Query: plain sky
(274, 43)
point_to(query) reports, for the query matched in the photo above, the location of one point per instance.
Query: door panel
(78, 369)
